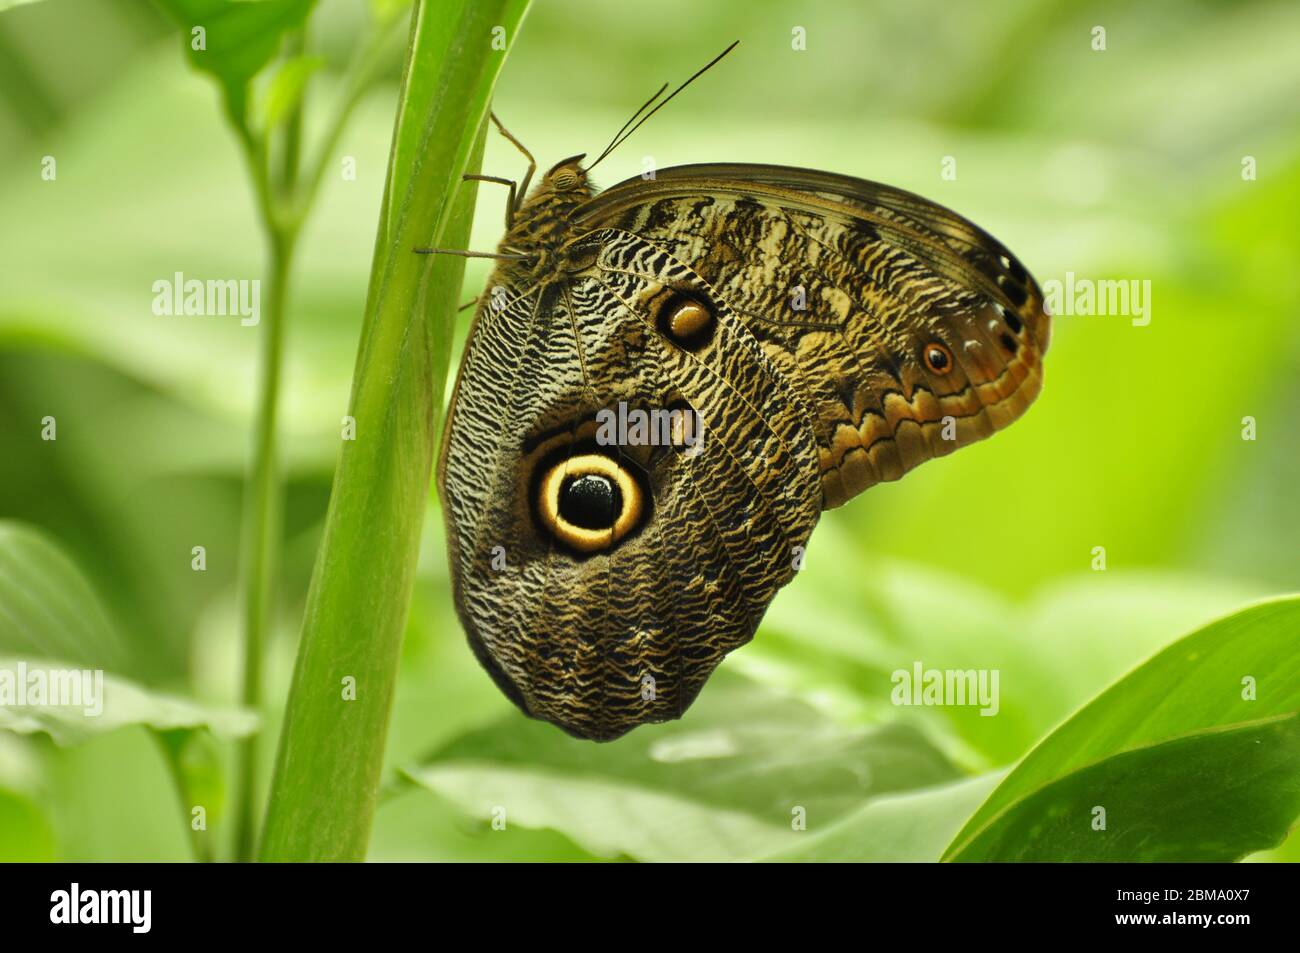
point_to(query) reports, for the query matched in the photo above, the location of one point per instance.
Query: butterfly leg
(532, 163)
(471, 254)
(510, 205)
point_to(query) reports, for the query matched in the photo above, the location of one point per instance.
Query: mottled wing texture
(853, 332)
(598, 643)
(845, 283)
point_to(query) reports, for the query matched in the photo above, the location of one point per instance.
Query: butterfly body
(822, 333)
(541, 227)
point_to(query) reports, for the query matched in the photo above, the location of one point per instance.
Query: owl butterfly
(819, 333)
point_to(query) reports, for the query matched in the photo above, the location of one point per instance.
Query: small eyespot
(1008, 342)
(565, 179)
(938, 358)
(686, 322)
(589, 502)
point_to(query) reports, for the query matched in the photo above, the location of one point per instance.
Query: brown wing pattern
(833, 333)
(598, 643)
(845, 284)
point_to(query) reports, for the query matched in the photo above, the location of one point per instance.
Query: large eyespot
(688, 323)
(589, 501)
(937, 358)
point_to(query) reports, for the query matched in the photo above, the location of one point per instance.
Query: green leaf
(1186, 765)
(238, 39)
(54, 630)
(842, 636)
(903, 828)
(418, 826)
(385, 10)
(111, 799)
(47, 608)
(196, 770)
(196, 764)
(724, 784)
(102, 703)
(26, 835)
(361, 589)
(287, 88)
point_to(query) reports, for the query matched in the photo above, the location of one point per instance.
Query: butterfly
(816, 334)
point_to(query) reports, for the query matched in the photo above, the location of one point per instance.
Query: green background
(1122, 164)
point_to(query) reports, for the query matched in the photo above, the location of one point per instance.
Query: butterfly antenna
(644, 107)
(622, 135)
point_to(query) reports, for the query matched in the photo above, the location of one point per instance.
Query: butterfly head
(541, 224)
(567, 178)
(557, 194)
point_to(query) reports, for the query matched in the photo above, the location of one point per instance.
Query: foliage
(1122, 164)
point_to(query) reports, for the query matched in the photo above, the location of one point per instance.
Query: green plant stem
(291, 153)
(200, 844)
(263, 489)
(262, 528)
(261, 497)
(282, 211)
(328, 766)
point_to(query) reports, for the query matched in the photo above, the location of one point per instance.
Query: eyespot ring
(575, 488)
(937, 358)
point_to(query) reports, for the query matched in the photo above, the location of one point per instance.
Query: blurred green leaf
(725, 783)
(26, 835)
(200, 784)
(287, 88)
(239, 38)
(197, 764)
(104, 706)
(47, 609)
(384, 10)
(111, 799)
(416, 825)
(20, 767)
(140, 219)
(902, 828)
(839, 637)
(1187, 764)
(51, 621)
(1134, 445)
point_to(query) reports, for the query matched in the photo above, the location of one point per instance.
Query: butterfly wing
(600, 636)
(907, 329)
(851, 331)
